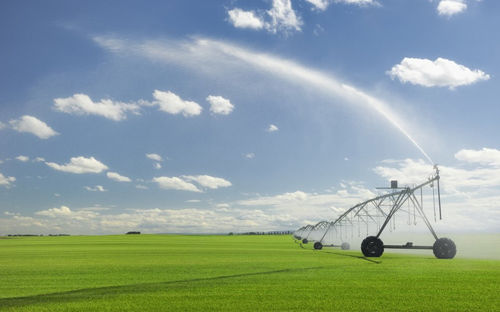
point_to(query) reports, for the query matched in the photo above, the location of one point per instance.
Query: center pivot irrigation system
(375, 215)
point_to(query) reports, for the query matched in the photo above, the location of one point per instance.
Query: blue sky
(215, 116)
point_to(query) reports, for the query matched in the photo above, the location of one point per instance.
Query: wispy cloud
(97, 188)
(322, 5)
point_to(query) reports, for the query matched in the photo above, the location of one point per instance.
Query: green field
(231, 273)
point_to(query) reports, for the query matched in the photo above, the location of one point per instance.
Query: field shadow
(109, 291)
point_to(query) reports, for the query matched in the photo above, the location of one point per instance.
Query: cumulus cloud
(97, 188)
(439, 73)
(82, 104)
(39, 159)
(6, 181)
(171, 103)
(175, 183)
(30, 124)
(23, 158)
(272, 128)
(451, 7)
(220, 105)
(154, 157)
(279, 18)
(245, 19)
(80, 165)
(208, 181)
(117, 177)
(283, 17)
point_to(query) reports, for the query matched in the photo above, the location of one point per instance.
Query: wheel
(318, 246)
(304, 241)
(345, 246)
(372, 247)
(444, 248)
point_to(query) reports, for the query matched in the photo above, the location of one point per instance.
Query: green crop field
(231, 273)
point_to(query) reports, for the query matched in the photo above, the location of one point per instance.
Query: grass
(231, 273)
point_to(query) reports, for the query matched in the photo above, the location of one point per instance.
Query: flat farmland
(232, 273)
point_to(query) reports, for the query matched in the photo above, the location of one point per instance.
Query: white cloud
(23, 158)
(439, 73)
(272, 128)
(245, 19)
(208, 181)
(65, 213)
(154, 157)
(97, 188)
(171, 103)
(485, 156)
(141, 187)
(360, 2)
(283, 17)
(6, 181)
(322, 5)
(157, 165)
(117, 177)
(39, 159)
(193, 201)
(55, 212)
(451, 7)
(2, 125)
(80, 165)
(249, 155)
(220, 105)
(280, 18)
(82, 104)
(175, 183)
(30, 124)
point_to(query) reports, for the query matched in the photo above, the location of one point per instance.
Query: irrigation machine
(378, 214)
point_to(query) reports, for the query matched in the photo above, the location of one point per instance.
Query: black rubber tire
(318, 246)
(372, 247)
(444, 248)
(345, 246)
(305, 241)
